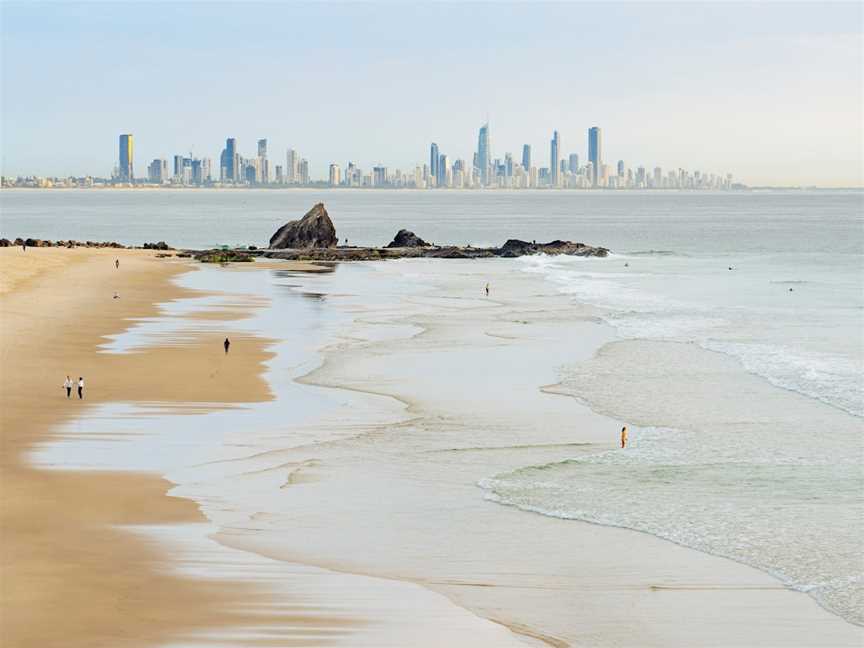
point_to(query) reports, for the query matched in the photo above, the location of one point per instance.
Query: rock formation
(407, 239)
(314, 230)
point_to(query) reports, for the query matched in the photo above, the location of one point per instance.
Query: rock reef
(314, 230)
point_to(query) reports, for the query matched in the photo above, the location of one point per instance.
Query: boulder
(4, 242)
(314, 230)
(161, 245)
(517, 248)
(407, 239)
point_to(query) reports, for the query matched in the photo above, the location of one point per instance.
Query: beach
(337, 477)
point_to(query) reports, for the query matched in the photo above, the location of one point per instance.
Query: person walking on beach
(68, 385)
(80, 387)
(226, 344)
(624, 437)
(117, 263)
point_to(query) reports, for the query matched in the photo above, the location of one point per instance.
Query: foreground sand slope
(69, 578)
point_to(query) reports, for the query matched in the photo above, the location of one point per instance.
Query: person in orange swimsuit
(624, 437)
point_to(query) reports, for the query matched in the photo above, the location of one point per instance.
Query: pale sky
(770, 92)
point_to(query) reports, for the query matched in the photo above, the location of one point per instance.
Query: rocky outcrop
(407, 239)
(517, 248)
(314, 230)
(161, 245)
(220, 256)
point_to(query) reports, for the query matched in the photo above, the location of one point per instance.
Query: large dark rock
(314, 230)
(517, 248)
(407, 239)
(161, 245)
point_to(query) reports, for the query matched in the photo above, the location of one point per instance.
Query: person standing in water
(624, 437)
(487, 288)
(80, 387)
(226, 344)
(68, 385)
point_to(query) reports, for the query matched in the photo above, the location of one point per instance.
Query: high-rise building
(232, 161)
(157, 172)
(443, 169)
(292, 170)
(595, 151)
(280, 179)
(620, 167)
(434, 162)
(335, 175)
(554, 160)
(263, 162)
(127, 153)
(303, 171)
(574, 163)
(379, 176)
(484, 155)
(508, 165)
(526, 156)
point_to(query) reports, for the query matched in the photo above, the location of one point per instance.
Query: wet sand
(70, 577)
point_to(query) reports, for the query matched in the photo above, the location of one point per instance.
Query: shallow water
(745, 399)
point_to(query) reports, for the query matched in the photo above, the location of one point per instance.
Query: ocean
(730, 337)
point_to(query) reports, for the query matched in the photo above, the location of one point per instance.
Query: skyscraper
(232, 173)
(127, 152)
(595, 151)
(292, 169)
(555, 160)
(526, 156)
(263, 162)
(620, 167)
(434, 161)
(574, 163)
(335, 175)
(484, 155)
(443, 167)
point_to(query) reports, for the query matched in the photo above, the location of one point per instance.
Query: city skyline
(770, 92)
(486, 170)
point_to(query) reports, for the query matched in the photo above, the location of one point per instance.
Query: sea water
(745, 396)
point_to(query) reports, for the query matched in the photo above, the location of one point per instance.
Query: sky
(769, 92)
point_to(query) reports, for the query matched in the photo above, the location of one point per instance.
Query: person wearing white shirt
(80, 387)
(68, 385)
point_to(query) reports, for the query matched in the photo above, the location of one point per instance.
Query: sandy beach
(70, 577)
(324, 475)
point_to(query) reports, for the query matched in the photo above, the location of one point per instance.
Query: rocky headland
(313, 238)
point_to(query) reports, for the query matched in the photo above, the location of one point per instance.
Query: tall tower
(434, 161)
(127, 152)
(292, 167)
(595, 151)
(555, 160)
(484, 154)
(526, 157)
(232, 173)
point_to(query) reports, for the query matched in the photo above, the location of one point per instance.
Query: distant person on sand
(23, 247)
(80, 387)
(117, 263)
(624, 437)
(487, 288)
(226, 344)
(68, 385)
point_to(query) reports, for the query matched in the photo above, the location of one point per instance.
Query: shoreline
(65, 557)
(349, 350)
(718, 577)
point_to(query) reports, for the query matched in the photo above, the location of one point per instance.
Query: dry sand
(69, 577)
